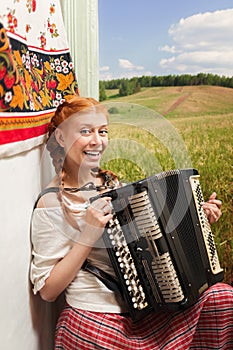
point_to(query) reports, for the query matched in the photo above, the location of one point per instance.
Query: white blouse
(52, 238)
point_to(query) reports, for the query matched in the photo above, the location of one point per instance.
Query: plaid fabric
(206, 325)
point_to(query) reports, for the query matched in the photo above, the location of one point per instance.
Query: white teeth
(92, 153)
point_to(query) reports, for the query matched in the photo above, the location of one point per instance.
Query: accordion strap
(103, 276)
(46, 190)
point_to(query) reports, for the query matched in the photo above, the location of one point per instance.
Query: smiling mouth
(92, 153)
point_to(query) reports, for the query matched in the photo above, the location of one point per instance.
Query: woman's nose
(96, 137)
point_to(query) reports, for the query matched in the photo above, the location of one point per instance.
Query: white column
(81, 22)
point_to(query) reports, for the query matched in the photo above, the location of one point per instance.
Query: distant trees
(102, 91)
(130, 86)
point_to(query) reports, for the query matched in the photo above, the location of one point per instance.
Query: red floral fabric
(36, 69)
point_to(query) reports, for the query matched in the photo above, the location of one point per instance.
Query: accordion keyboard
(162, 265)
(126, 264)
(205, 226)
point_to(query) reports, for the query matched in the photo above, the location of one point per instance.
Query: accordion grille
(162, 265)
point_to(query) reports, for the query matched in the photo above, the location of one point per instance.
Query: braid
(57, 153)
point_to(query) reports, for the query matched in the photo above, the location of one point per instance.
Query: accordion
(160, 242)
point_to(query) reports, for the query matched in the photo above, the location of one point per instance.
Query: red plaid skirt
(206, 325)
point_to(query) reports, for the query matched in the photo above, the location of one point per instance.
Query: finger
(107, 209)
(216, 202)
(213, 207)
(213, 218)
(213, 196)
(105, 200)
(108, 200)
(213, 214)
(99, 204)
(108, 217)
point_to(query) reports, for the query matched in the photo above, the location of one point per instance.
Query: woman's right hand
(97, 216)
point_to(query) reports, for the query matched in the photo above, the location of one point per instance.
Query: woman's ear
(59, 137)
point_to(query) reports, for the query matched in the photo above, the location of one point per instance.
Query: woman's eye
(85, 131)
(103, 131)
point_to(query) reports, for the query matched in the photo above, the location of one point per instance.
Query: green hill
(181, 101)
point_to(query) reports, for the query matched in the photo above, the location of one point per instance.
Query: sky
(162, 37)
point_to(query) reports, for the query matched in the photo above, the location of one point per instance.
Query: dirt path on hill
(180, 100)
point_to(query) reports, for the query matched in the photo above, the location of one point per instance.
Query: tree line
(130, 86)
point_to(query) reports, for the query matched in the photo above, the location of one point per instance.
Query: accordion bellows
(160, 242)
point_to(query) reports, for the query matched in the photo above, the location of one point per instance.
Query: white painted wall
(21, 314)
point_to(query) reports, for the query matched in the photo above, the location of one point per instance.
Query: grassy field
(170, 127)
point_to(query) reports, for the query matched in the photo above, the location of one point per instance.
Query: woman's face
(84, 138)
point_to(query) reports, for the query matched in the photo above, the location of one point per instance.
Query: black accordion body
(160, 242)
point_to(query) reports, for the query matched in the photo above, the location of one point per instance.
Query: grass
(196, 131)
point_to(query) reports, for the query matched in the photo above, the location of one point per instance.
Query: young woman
(67, 229)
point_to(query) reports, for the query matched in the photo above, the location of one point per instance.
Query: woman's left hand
(212, 208)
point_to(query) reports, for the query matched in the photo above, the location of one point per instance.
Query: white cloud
(126, 70)
(126, 64)
(106, 76)
(120, 75)
(104, 69)
(201, 43)
(167, 48)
